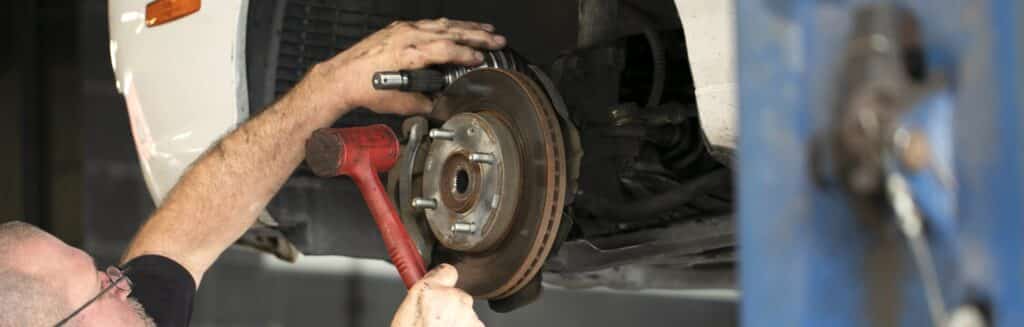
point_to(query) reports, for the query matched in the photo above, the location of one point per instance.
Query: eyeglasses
(115, 275)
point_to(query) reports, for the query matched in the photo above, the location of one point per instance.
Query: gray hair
(29, 301)
(13, 233)
(26, 300)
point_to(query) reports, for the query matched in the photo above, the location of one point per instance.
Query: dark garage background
(68, 166)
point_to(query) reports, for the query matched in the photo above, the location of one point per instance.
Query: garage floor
(236, 294)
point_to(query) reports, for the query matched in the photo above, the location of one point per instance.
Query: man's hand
(403, 45)
(434, 301)
(220, 197)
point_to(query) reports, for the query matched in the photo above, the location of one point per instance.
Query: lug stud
(441, 134)
(422, 203)
(481, 157)
(464, 228)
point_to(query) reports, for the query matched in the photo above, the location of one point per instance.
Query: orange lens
(162, 11)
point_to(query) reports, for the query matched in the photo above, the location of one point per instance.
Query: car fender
(183, 82)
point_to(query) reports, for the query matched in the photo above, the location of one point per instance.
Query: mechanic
(219, 197)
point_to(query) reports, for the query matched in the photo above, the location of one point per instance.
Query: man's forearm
(217, 200)
(224, 191)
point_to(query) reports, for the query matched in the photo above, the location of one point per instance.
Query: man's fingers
(415, 103)
(443, 275)
(464, 36)
(441, 24)
(467, 33)
(471, 321)
(468, 318)
(446, 51)
(474, 38)
(404, 103)
(456, 305)
(460, 295)
(437, 302)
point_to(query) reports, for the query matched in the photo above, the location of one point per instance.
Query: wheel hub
(469, 170)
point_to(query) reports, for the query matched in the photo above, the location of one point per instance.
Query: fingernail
(489, 27)
(478, 56)
(430, 274)
(499, 39)
(433, 272)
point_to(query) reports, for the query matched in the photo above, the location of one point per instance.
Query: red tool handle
(401, 250)
(361, 152)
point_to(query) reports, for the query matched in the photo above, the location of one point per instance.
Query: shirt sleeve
(163, 287)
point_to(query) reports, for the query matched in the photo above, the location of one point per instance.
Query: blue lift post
(806, 258)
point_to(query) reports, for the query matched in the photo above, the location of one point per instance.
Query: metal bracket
(401, 180)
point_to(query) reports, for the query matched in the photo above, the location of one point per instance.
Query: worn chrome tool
(419, 80)
(434, 79)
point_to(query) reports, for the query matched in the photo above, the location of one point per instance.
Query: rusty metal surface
(453, 195)
(573, 145)
(517, 100)
(481, 192)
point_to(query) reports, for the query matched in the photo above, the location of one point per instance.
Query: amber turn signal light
(162, 11)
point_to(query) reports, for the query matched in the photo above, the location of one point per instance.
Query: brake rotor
(496, 170)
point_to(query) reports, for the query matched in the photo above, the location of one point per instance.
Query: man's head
(45, 280)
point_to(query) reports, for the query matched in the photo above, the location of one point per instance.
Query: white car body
(184, 82)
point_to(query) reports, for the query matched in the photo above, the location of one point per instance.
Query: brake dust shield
(497, 171)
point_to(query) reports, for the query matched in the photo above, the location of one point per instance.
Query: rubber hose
(660, 66)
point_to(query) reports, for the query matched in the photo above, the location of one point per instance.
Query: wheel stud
(481, 157)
